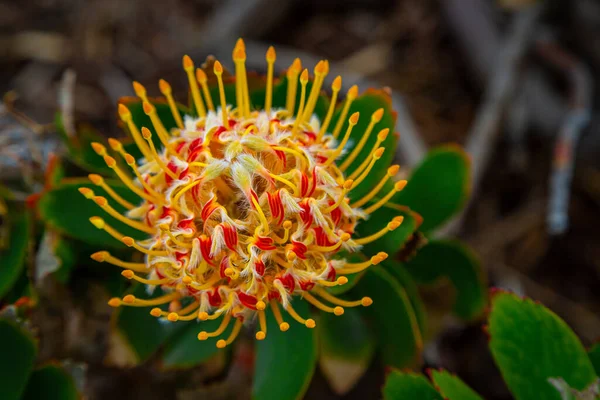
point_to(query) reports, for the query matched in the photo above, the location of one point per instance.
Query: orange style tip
(377, 115)
(188, 64)
(156, 312)
(239, 44)
(146, 133)
(228, 271)
(97, 222)
(345, 237)
(342, 280)
(202, 335)
(218, 68)
(271, 55)
(173, 317)
(115, 144)
(383, 134)
(320, 67)
(164, 87)
(221, 344)
(148, 108)
(337, 84)
(284, 326)
(393, 225)
(296, 65)
(400, 185)
(127, 273)
(326, 63)
(163, 227)
(202, 316)
(382, 255)
(260, 305)
(310, 323)
(304, 76)
(353, 92)
(366, 301)
(201, 75)
(338, 311)
(348, 183)
(378, 153)
(128, 241)
(129, 159)
(393, 170)
(239, 54)
(124, 112)
(114, 302)
(354, 118)
(101, 201)
(260, 335)
(96, 179)
(139, 89)
(376, 260)
(100, 256)
(287, 224)
(187, 280)
(129, 299)
(98, 148)
(110, 161)
(290, 255)
(87, 193)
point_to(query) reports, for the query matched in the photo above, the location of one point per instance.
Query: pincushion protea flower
(245, 208)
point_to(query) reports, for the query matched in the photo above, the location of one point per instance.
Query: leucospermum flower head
(245, 208)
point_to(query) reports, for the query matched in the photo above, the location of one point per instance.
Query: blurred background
(513, 81)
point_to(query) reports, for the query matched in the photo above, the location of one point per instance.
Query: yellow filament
(208, 284)
(224, 322)
(283, 326)
(286, 234)
(326, 249)
(391, 172)
(285, 182)
(106, 257)
(155, 156)
(262, 321)
(351, 124)
(165, 89)
(131, 300)
(197, 164)
(103, 203)
(301, 156)
(140, 91)
(125, 179)
(292, 79)
(100, 224)
(335, 89)
(375, 156)
(131, 243)
(320, 74)
(282, 262)
(375, 118)
(188, 66)
(165, 228)
(125, 115)
(352, 268)
(365, 301)
(303, 82)
(237, 326)
(131, 162)
(345, 189)
(397, 187)
(352, 93)
(342, 280)
(218, 69)
(315, 302)
(130, 275)
(239, 59)
(388, 228)
(309, 323)
(99, 181)
(185, 189)
(162, 133)
(261, 215)
(201, 77)
(271, 56)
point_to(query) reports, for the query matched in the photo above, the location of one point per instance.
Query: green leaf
(452, 387)
(141, 332)
(393, 318)
(398, 271)
(453, 260)
(68, 212)
(594, 354)
(366, 105)
(405, 386)
(18, 355)
(531, 344)
(80, 149)
(13, 257)
(391, 242)
(285, 361)
(50, 382)
(439, 187)
(184, 350)
(347, 348)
